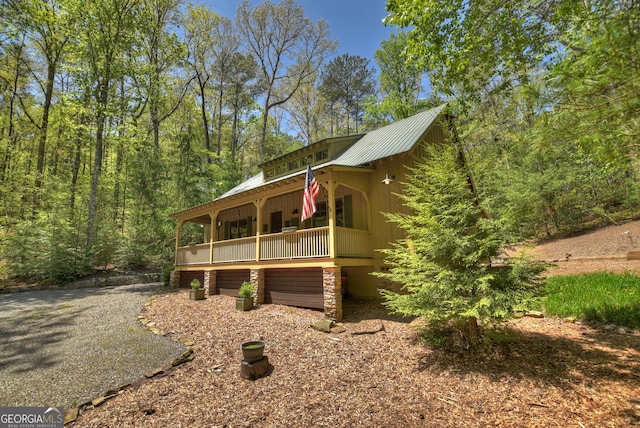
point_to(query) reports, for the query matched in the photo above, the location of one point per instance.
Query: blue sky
(356, 24)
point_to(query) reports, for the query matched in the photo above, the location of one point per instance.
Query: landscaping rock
(70, 415)
(98, 401)
(324, 325)
(534, 314)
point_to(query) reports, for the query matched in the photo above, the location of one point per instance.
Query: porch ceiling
(203, 219)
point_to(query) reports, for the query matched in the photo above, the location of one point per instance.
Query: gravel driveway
(66, 347)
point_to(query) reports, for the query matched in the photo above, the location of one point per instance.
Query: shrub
(246, 290)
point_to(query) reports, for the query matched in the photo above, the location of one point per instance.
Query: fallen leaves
(386, 377)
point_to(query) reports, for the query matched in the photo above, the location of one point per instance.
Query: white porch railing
(307, 243)
(193, 254)
(353, 243)
(296, 245)
(235, 250)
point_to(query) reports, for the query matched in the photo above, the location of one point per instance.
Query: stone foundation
(256, 277)
(332, 290)
(210, 282)
(174, 279)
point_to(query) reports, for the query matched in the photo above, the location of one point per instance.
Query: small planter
(244, 303)
(252, 351)
(197, 294)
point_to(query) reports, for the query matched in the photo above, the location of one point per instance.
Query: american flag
(311, 191)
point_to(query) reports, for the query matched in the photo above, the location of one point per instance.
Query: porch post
(332, 289)
(331, 205)
(259, 203)
(212, 215)
(178, 230)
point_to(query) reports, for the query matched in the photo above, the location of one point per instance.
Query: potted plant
(196, 293)
(252, 351)
(244, 301)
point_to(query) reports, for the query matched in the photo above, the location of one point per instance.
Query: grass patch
(596, 297)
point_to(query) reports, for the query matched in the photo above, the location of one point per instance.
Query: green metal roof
(393, 139)
(398, 137)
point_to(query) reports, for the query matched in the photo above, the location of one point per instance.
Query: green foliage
(598, 297)
(400, 84)
(347, 81)
(45, 250)
(443, 263)
(535, 177)
(246, 290)
(195, 284)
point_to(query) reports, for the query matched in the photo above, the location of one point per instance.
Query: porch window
(240, 228)
(320, 218)
(344, 211)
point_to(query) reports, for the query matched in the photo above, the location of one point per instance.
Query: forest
(116, 113)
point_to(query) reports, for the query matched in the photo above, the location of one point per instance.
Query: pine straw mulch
(545, 373)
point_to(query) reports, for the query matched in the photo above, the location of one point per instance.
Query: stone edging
(72, 414)
(109, 281)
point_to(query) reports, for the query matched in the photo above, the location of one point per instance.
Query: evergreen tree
(443, 263)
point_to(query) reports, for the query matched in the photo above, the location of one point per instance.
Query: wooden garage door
(294, 287)
(187, 276)
(228, 282)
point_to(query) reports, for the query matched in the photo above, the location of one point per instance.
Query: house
(253, 232)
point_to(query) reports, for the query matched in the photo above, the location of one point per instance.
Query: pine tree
(443, 263)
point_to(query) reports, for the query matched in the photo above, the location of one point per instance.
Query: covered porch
(269, 229)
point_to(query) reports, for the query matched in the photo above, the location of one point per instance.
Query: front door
(276, 222)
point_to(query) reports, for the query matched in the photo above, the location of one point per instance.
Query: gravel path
(66, 347)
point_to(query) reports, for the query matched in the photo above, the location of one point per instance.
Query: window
(344, 211)
(294, 164)
(270, 173)
(322, 154)
(281, 169)
(240, 228)
(307, 160)
(320, 218)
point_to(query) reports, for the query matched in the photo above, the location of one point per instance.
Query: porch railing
(237, 250)
(353, 243)
(296, 245)
(193, 254)
(301, 244)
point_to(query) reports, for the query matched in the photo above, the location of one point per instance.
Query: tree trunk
(473, 330)
(51, 73)
(103, 95)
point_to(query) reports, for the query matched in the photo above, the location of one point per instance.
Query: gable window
(307, 160)
(322, 155)
(294, 165)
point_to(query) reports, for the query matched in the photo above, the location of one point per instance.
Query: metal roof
(393, 139)
(398, 137)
